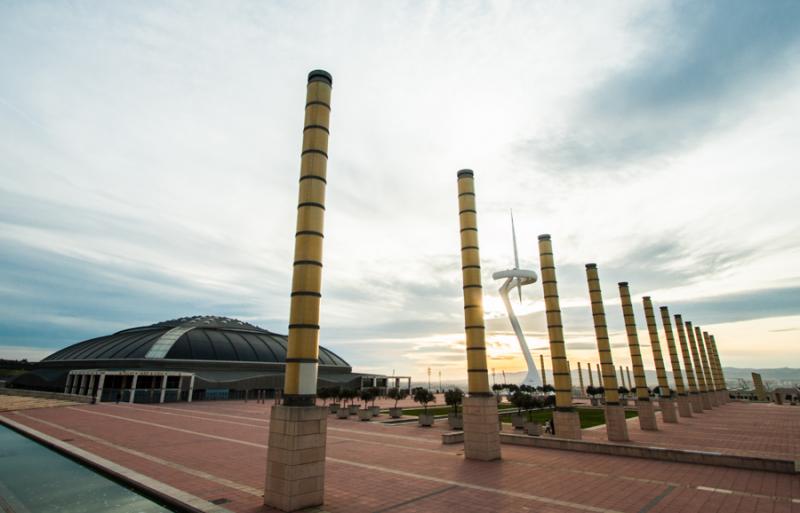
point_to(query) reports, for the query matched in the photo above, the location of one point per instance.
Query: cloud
(703, 59)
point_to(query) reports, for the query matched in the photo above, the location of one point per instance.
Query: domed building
(202, 357)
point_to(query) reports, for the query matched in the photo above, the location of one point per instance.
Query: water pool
(35, 479)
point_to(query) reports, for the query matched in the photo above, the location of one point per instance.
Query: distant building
(191, 358)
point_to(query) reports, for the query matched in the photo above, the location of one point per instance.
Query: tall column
(132, 398)
(541, 366)
(82, 384)
(100, 382)
(712, 365)
(644, 407)
(481, 429)
(566, 420)
(698, 367)
(691, 378)
(75, 381)
(665, 399)
(628, 373)
(724, 393)
(707, 375)
(599, 376)
(589, 372)
(90, 389)
(580, 380)
(191, 388)
(164, 380)
(758, 386)
(684, 407)
(296, 456)
(616, 426)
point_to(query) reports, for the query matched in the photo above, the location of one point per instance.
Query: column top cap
(647, 298)
(320, 75)
(663, 308)
(623, 284)
(465, 172)
(591, 266)
(544, 236)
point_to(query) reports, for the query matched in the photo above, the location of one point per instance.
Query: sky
(151, 150)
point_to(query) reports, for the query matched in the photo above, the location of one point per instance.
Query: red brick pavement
(745, 429)
(218, 450)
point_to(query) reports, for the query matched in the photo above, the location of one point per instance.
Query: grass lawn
(443, 410)
(589, 416)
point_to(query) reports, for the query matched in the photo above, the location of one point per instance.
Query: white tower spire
(517, 277)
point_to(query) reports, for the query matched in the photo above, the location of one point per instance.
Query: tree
(424, 396)
(366, 395)
(548, 389)
(398, 394)
(520, 400)
(454, 397)
(375, 394)
(591, 390)
(324, 394)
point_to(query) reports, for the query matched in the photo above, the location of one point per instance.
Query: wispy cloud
(703, 59)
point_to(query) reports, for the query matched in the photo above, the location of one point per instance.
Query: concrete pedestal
(567, 424)
(697, 402)
(713, 398)
(705, 401)
(647, 415)
(668, 412)
(481, 428)
(723, 397)
(616, 426)
(296, 457)
(684, 406)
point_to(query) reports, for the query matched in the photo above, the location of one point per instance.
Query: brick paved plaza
(217, 451)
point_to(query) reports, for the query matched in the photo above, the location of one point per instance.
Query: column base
(647, 415)
(706, 401)
(684, 406)
(713, 398)
(481, 428)
(723, 397)
(616, 426)
(697, 402)
(567, 424)
(668, 412)
(296, 457)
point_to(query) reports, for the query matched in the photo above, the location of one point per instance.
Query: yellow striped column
(481, 429)
(541, 366)
(665, 400)
(647, 415)
(691, 378)
(700, 374)
(296, 464)
(567, 423)
(707, 374)
(712, 364)
(684, 408)
(708, 357)
(580, 380)
(616, 426)
(303, 347)
(724, 395)
(599, 376)
(589, 372)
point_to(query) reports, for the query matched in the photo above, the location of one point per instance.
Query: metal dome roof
(190, 338)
